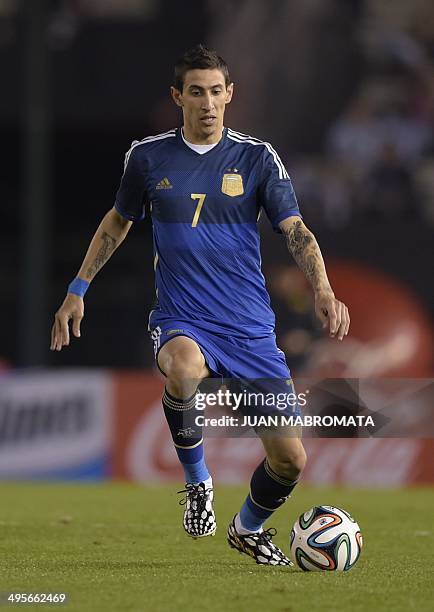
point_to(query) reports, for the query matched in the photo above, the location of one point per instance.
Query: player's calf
(199, 518)
(268, 491)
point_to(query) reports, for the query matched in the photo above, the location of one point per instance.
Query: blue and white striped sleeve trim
(244, 138)
(148, 139)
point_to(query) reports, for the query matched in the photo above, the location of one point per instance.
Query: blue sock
(194, 472)
(268, 491)
(187, 436)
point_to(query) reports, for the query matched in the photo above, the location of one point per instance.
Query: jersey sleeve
(277, 195)
(131, 197)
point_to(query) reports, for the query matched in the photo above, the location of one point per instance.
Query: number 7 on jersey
(201, 197)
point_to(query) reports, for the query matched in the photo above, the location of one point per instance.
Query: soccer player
(205, 185)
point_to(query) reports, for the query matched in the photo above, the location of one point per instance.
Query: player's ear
(176, 95)
(229, 92)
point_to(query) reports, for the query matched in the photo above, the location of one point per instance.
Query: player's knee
(184, 365)
(290, 463)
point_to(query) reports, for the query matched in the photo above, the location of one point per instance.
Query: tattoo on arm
(106, 249)
(304, 248)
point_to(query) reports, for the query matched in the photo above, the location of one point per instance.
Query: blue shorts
(228, 357)
(225, 356)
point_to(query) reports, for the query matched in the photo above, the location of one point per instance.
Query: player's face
(203, 101)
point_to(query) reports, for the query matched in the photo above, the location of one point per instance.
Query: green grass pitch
(121, 547)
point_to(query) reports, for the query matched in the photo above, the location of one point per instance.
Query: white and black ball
(325, 538)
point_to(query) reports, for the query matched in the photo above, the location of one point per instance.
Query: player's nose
(207, 103)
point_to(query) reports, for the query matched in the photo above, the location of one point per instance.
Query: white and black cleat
(199, 518)
(257, 545)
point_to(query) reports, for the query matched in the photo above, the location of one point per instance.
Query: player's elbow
(118, 224)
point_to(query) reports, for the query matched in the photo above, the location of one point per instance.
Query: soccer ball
(325, 538)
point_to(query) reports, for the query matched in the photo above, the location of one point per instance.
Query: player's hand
(72, 308)
(333, 314)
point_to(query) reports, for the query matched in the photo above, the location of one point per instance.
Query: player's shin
(187, 437)
(268, 491)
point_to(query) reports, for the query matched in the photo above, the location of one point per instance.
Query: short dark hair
(202, 58)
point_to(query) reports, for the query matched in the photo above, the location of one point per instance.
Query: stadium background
(343, 89)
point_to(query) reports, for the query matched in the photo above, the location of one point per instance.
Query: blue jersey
(205, 210)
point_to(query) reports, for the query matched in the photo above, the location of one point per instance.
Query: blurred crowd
(378, 154)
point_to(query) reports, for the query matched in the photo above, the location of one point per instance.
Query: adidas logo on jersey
(164, 184)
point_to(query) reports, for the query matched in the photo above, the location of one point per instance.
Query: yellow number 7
(201, 197)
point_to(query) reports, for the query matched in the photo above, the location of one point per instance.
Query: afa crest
(232, 185)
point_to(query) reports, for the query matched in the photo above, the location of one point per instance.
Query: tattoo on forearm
(305, 250)
(106, 249)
